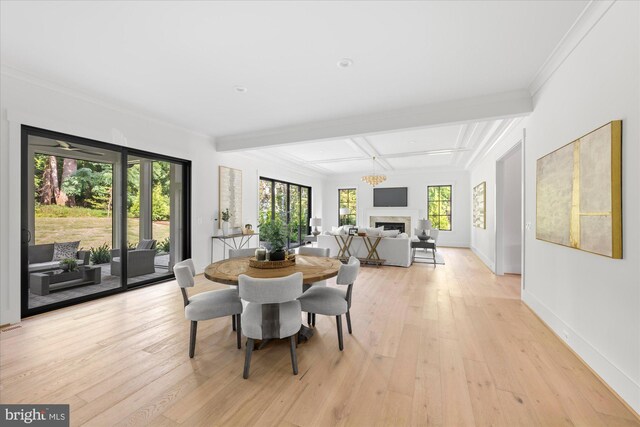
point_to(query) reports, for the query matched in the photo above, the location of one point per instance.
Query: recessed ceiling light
(345, 63)
(412, 142)
(240, 89)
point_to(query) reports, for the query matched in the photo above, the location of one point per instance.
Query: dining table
(313, 269)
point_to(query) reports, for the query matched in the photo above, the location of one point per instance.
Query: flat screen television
(390, 197)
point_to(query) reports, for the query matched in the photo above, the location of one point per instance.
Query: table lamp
(424, 225)
(315, 222)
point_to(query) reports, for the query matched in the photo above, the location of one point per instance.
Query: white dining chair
(333, 301)
(309, 251)
(272, 312)
(206, 305)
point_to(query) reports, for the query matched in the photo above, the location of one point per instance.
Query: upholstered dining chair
(333, 301)
(239, 253)
(206, 305)
(273, 311)
(303, 250)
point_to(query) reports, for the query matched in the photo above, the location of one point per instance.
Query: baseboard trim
(618, 377)
(485, 259)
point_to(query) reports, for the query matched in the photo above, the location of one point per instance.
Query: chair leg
(349, 322)
(192, 339)
(238, 331)
(247, 358)
(309, 319)
(313, 319)
(339, 325)
(294, 359)
(233, 322)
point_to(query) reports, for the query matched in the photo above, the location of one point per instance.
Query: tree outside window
(347, 199)
(439, 206)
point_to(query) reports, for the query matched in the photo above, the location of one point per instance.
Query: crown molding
(501, 105)
(17, 74)
(590, 16)
(499, 133)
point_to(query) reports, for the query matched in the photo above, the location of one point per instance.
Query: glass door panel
(294, 216)
(72, 220)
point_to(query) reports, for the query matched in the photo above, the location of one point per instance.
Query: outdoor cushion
(48, 266)
(65, 250)
(327, 301)
(211, 304)
(146, 244)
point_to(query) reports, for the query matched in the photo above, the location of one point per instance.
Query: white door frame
(499, 206)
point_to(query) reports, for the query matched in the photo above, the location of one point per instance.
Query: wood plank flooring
(451, 345)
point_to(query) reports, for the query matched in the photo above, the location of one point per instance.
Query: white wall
(417, 183)
(512, 212)
(24, 100)
(592, 300)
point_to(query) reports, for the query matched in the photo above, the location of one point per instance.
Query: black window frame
(303, 229)
(354, 215)
(124, 153)
(450, 216)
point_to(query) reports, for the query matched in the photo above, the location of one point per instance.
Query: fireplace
(391, 225)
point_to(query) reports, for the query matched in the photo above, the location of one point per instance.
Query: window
(347, 199)
(290, 202)
(439, 206)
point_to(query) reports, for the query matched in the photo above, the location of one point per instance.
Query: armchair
(139, 261)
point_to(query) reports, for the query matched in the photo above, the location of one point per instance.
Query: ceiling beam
(502, 105)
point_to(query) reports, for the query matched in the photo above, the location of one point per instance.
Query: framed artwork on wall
(579, 193)
(480, 205)
(230, 194)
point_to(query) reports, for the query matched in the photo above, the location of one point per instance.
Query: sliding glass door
(291, 203)
(78, 198)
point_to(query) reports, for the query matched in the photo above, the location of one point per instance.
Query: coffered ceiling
(443, 147)
(228, 68)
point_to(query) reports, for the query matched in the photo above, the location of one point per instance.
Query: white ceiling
(179, 61)
(444, 147)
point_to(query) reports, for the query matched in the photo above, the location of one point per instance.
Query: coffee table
(47, 281)
(424, 244)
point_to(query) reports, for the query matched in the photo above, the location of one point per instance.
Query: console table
(371, 243)
(245, 239)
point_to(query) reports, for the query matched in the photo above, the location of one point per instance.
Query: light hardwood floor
(451, 345)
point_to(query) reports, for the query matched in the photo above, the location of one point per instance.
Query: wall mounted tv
(390, 197)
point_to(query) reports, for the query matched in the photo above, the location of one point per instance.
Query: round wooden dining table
(313, 269)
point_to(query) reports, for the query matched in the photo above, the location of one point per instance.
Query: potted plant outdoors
(226, 216)
(69, 264)
(275, 234)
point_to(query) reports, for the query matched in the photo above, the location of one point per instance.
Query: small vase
(225, 228)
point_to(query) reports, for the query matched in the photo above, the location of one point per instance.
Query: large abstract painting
(480, 205)
(578, 193)
(230, 194)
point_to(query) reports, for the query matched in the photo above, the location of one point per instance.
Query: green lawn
(90, 231)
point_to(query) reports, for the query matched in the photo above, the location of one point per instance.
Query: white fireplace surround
(393, 215)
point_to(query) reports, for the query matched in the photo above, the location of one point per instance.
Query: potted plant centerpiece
(226, 216)
(275, 234)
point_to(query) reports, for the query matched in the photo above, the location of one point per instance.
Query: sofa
(394, 250)
(41, 258)
(140, 260)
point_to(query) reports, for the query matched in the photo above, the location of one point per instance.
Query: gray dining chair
(206, 305)
(272, 312)
(334, 301)
(303, 250)
(239, 253)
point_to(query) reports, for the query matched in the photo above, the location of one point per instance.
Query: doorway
(97, 219)
(509, 211)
